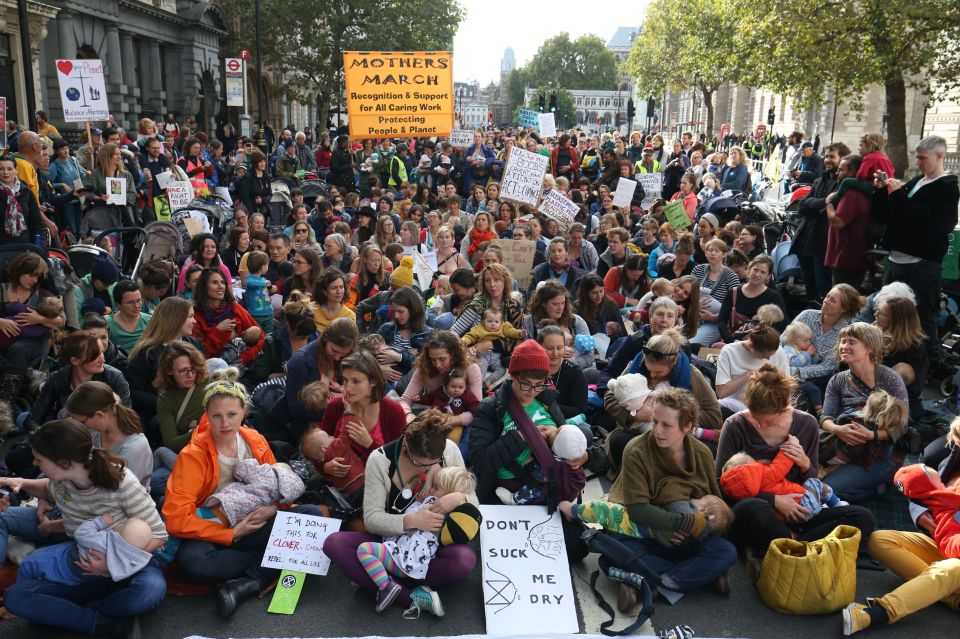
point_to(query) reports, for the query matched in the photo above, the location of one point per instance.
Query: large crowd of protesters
(309, 363)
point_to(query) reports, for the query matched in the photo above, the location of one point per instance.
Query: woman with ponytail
(116, 428)
(211, 551)
(84, 359)
(768, 426)
(84, 482)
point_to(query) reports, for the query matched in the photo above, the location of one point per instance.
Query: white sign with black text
(523, 176)
(296, 543)
(82, 91)
(527, 588)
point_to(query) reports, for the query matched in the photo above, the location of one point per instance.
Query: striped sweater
(128, 501)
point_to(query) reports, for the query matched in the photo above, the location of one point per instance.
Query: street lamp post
(28, 121)
(261, 142)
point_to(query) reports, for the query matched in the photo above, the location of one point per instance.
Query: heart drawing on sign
(64, 66)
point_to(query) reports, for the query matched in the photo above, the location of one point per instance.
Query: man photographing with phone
(919, 216)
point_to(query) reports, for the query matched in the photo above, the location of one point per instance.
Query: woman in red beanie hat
(499, 452)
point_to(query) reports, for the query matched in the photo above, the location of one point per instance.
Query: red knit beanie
(529, 356)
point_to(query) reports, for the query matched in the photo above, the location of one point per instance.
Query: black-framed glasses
(406, 451)
(537, 388)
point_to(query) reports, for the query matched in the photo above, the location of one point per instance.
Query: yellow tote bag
(811, 577)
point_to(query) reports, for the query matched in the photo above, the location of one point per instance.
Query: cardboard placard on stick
(676, 214)
(518, 257)
(529, 118)
(559, 207)
(82, 90)
(523, 176)
(623, 196)
(527, 590)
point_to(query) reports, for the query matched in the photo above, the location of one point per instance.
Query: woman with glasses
(181, 375)
(397, 475)
(82, 357)
(664, 364)
(127, 322)
(498, 448)
(303, 237)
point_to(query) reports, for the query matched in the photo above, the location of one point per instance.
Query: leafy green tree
(679, 49)
(848, 46)
(584, 63)
(304, 40)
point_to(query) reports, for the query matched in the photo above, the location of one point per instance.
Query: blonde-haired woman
(448, 258)
(736, 174)
(771, 425)
(860, 348)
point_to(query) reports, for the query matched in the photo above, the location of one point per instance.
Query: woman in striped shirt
(716, 280)
(85, 483)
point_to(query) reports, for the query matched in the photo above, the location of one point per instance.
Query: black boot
(231, 594)
(122, 628)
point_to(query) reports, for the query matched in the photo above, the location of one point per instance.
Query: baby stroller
(280, 203)
(99, 217)
(82, 257)
(725, 206)
(163, 243)
(312, 189)
(190, 223)
(218, 212)
(126, 246)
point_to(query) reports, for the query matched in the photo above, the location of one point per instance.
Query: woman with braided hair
(212, 551)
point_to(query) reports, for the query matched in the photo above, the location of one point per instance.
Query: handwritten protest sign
(652, 184)
(548, 125)
(116, 191)
(523, 176)
(676, 214)
(82, 91)
(461, 138)
(518, 258)
(527, 588)
(624, 193)
(559, 207)
(296, 543)
(529, 118)
(179, 194)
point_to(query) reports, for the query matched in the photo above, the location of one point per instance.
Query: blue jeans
(79, 608)
(708, 333)
(22, 522)
(691, 565)
(854, 483)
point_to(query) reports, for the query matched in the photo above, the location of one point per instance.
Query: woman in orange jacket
(210, 551)
(220, 319)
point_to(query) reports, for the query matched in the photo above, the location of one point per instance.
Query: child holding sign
(409, 554)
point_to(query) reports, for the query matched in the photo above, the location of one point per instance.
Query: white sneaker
(505, 497)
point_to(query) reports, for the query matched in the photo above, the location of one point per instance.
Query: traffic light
(651, 107)
(770, 117)
(553, 102)
(541, 102)
(631, 111)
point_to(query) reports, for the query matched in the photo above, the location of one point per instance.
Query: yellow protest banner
(399, 93)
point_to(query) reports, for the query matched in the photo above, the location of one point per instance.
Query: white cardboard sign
(652, 184)
(527, 588)
(523, 176)
(461, 138)
(164, 179)
(179, 195)
(296, 543)
(559, 207)
(548, 124)
(424, 266)
(116, 191)
(82, 91)
(624, 193)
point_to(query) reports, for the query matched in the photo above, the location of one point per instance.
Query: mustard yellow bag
(811, 577)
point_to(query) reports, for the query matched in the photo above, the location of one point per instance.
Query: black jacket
(544, 272)
(489, 451)
(811, 236)
(920, 225)
(142, 370)
(252, 187)
(57, 389)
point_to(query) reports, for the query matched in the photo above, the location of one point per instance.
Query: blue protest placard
(529, 118)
